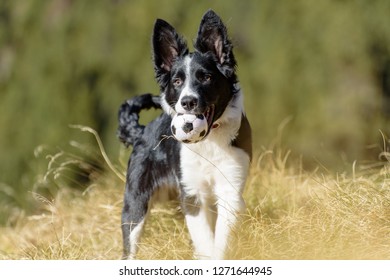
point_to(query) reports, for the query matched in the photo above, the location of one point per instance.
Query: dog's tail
(129, 129)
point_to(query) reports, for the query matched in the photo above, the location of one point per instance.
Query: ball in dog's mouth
(190, 128)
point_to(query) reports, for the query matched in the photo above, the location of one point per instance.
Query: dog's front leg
(229, 206)
(199, 220)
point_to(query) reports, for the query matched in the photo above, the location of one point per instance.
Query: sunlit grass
(291, 214)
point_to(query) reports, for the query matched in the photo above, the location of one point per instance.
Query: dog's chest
(203, 161)
(208, 167)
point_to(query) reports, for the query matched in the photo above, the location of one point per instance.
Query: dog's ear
(167, 46)
(212, 37)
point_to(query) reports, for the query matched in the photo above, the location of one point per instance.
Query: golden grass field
(291, 214)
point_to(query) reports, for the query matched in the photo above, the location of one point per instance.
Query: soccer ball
(189, 128)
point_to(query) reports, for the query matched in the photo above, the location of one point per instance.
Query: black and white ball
(189, 128)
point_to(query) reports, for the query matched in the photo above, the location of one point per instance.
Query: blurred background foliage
(316, 76)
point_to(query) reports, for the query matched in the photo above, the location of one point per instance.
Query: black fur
(147, 171)
(167, 45)
(212, 37)
(129, 129)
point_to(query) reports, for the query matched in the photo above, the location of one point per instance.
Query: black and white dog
(210, 175)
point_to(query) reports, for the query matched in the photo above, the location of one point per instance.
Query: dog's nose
(189, 102)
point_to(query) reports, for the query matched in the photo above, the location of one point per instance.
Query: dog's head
(199, 82)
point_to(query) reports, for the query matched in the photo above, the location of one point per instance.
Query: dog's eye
(177, 82)
(205, 78)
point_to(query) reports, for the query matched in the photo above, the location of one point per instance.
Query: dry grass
(292, 214)
(297, 215)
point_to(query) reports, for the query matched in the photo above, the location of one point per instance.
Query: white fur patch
(202, 234)
(165, 106)
(214, 170)
(134, 237)
(186, 91)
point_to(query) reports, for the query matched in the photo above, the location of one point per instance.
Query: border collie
(209, 175)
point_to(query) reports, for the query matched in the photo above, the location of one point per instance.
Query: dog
(209, 175)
